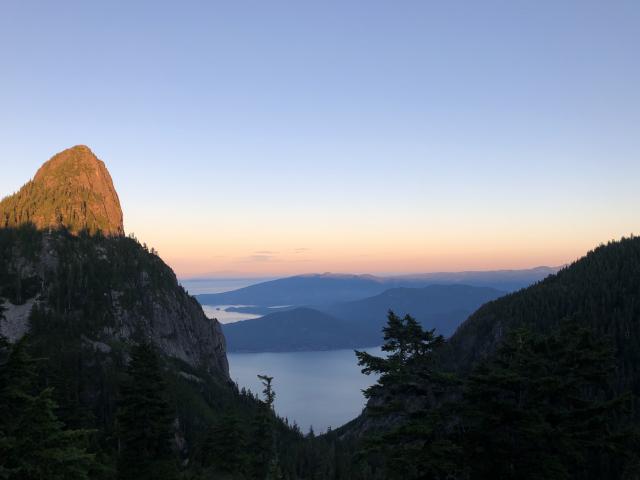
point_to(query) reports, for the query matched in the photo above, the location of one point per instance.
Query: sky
(266, 138)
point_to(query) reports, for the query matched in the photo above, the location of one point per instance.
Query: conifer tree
(409, 360)
(268, 392)
(145, 420)
(264, 461)
(408, 390)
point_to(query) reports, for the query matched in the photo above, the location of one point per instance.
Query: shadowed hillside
(601, 290)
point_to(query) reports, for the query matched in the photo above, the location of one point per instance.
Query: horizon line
(379, 275)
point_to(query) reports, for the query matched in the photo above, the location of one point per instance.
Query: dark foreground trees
(144, 420)
(34, 444)
(224, 449)
(541, 407)
(544, 406)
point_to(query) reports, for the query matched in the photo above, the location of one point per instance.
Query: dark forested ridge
(600, 290)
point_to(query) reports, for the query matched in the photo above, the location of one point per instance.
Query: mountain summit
(72, 190)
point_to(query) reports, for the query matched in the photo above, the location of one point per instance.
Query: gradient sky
(273, 137)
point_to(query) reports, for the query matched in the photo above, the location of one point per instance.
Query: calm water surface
(318, 389)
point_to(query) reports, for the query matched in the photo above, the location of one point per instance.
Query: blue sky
(277, 137)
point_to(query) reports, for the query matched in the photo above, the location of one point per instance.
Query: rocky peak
(73, 190)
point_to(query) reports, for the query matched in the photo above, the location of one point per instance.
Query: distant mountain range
(315, 289)
(507, 280)
(357, 323)
(328, 289)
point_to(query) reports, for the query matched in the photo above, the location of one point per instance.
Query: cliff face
(111, 290)
(73, 189)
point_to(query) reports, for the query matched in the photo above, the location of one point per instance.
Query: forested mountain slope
(111, 288)
(600, 290)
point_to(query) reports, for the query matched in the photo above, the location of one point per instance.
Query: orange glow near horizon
(265, 240)
(204, 255)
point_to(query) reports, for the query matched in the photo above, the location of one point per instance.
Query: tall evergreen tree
(409, 360)
(408, 391)
(268, 392)
(264, 459)
(145, 420)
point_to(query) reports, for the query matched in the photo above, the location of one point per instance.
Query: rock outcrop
(109, 287)
(72, 190)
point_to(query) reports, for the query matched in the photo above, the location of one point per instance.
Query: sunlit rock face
(72, 190)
